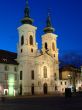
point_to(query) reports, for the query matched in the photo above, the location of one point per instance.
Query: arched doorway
(45, 88)
(32, 89)
(20, 89)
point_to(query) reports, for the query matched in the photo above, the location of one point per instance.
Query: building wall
(6, 81)
(65, 74)
(73, 78)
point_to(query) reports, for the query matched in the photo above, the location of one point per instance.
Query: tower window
(45, 71)
(53, 46)
(20, 75)
(65, 83)
(32, 74)
(21, 50)
(55, 77)
(31, 40)
(61, 83)
(46, 46)
(22, 40)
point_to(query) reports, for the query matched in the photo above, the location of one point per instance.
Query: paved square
(42, 103)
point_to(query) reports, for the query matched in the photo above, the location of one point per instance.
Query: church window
(56, 87)
(32, 50)
(21, 50)
(61, 83)
(6, 68)
(15, 76)
(45, 71)
(55, 76)
(22, 40)
(46, 46)
(20, 75)
(15, 69)
(31, 40)
(6, 76)
(65, 83)
(53, 46)
(32, 74)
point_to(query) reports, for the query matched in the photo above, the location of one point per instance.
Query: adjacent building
(70, 76)
(8, 73)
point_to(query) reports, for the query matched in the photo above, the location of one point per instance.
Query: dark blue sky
(66, 19)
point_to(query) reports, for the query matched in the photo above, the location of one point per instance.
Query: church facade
(38, 70)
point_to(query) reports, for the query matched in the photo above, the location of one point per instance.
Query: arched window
(55, 76)
(53, 46)
(6, 68)
(32, 74)
(31, 40)
(22, 40)
(32, 50)
(45, 71)
(46, 46)
(21, 73)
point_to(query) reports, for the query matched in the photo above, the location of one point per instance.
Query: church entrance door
(45, 88)
(32, 89)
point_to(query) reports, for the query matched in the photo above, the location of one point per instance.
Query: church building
(38, 71)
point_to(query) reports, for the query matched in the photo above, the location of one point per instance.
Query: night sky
(66, 18)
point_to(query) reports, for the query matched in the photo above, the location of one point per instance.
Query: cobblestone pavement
(42, 103)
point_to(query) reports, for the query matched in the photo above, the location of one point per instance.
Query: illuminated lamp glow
(11, 84)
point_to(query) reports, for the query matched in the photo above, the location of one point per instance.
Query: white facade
(31, 61)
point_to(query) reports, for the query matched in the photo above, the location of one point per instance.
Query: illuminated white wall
(5, 81)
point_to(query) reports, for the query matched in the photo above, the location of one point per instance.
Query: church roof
(48, 28)
(7, 57)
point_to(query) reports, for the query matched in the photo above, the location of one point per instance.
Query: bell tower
(49, 44)
(27, 49)
(27, 35)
